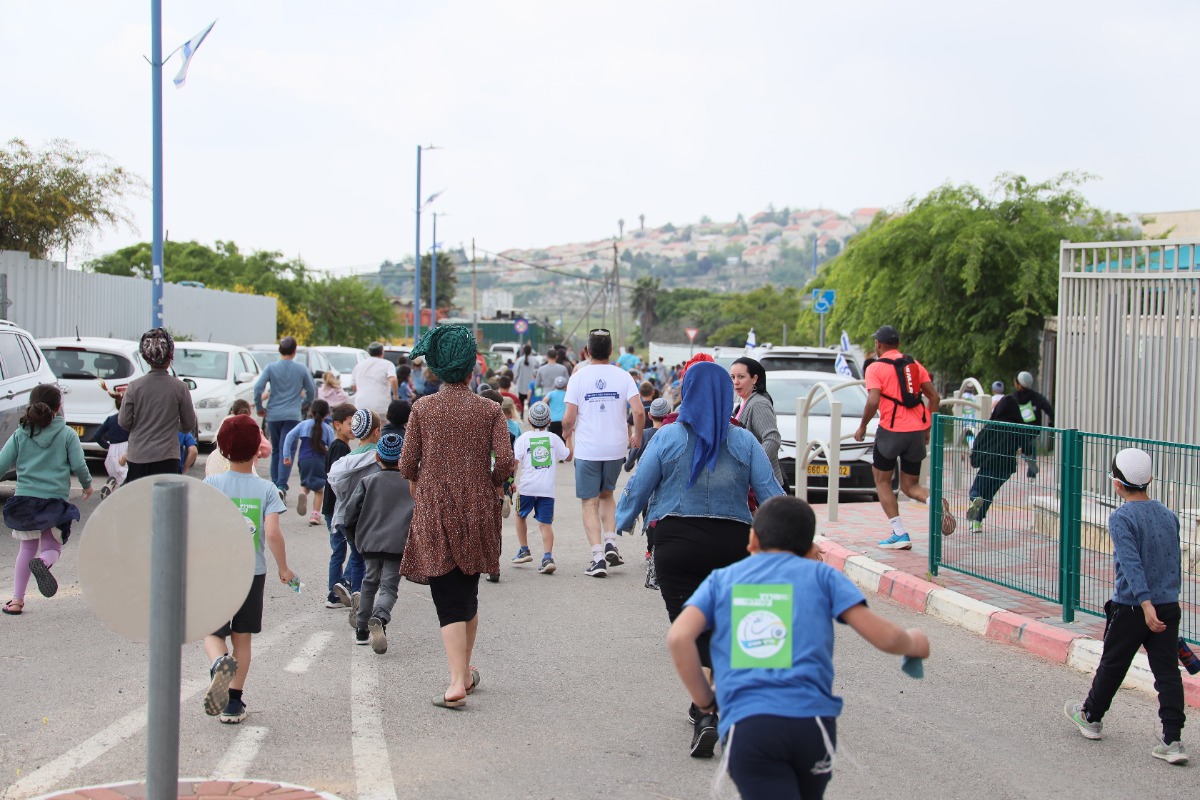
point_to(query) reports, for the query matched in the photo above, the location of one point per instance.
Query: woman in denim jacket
(695, 476)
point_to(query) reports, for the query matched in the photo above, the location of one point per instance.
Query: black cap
(887, 335)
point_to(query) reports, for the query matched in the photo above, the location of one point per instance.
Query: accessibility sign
(823, 300)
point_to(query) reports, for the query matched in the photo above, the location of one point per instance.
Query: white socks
(597, 552)
(611, 538)
(898, 526)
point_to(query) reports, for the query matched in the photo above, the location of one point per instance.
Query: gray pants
(381, 581)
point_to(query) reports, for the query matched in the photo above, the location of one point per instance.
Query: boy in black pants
(1144, 609)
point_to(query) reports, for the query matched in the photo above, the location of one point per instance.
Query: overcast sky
(298, 127)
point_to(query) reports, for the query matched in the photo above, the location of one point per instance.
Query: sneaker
(976, 526)
(523, 556)
(362, 636)
(353, 609)
(597, 570)
(975, 509)
(693, 713)
(1032, 468)
(378, 632)
(651, 573)
(302, 504)
(46, 582)
(704, 736)
(333, 602)
(895, 542)
(1090, 730)
(612, 556)
(494, 577)
(505, 507)
(547, 567)
(314, 520)
(220, 676)
(235, 712)
(341, 591)
(949, 524)
(1172, 753)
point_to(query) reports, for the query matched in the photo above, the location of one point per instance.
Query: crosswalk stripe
(312, 648)
(372, 768)
(241, 754)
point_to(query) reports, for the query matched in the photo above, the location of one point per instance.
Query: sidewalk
(999, 613)
(195, 789)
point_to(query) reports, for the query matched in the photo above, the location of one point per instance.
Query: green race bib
(1027, 412)
(539, 452)
(760, 624)
(251, 508)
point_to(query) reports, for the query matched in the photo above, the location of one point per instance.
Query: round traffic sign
(521, 325)
(114, 559)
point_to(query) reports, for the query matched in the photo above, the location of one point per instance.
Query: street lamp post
(417, 250)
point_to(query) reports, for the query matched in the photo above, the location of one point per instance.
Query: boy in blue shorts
(537, 451)
(772, 652)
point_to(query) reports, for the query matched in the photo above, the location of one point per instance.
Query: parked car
(88, 368)
(22, 367)
(316, 361)
(392, 352)
(811, 359)
(222, 373)
(344, 360)
(785, 387)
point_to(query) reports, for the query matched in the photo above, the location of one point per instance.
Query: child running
(537, 451)
(344, 478)
(115, 441)
(556, 399)
(344, 579)
(771, 617)
(1144, 610)
(260, 503)
(377, 518)
(44, 452)
(314, 435)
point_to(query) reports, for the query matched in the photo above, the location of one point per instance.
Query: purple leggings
(50, 551)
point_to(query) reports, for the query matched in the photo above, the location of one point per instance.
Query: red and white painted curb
(1042, 640)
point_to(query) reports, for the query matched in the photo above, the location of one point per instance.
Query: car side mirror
(244, 377)
(191, 384)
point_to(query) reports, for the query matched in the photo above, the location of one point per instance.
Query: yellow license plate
(823, 469)
(78, 429)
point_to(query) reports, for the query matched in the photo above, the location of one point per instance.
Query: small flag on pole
(751, 340)
(189, 49)
(842, 367)
(845, 342)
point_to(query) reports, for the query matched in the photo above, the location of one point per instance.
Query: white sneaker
(1172, 753)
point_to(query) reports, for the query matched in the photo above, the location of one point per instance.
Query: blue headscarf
(707, 404)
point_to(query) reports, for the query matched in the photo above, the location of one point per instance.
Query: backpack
(908, 373)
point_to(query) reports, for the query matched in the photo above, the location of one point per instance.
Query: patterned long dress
(447, 456)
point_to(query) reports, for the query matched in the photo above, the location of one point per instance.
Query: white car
(785, 387)
(344, 360)
(88, 368)
(22, 367)
(222, 373)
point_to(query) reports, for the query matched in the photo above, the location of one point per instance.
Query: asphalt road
(577, 700)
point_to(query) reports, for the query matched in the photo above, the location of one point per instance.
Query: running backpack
(908, 373)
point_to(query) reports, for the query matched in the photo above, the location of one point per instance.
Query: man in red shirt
(903, 430)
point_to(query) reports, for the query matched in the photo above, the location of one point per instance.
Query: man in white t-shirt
(374, 381)
(597, 398)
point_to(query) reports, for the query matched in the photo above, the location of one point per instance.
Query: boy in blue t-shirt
(188, 451)
(260, 504)
(772, 653)
(556, 399)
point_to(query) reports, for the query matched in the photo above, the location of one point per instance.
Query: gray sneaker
(974, 509)
(1172, 753)
(1090, 730)
(354, 611)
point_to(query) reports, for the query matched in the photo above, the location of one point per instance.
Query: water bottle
(294, 584)
(1190, 661)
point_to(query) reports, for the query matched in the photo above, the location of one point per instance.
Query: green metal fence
(1033, 504)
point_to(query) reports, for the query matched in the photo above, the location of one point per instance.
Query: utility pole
(617, 279)
(474, 296)
(433, 276)
(417, 260)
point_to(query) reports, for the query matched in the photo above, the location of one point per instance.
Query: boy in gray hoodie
(377, 518)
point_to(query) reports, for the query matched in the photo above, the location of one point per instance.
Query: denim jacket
(661, 480)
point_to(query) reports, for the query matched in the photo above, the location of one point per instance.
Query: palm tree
(642, 221)
(621, 228)
(645, 300)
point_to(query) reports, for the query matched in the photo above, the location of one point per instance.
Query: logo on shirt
(600, 384)
(251, 508)
(760, 623)
(539, 453)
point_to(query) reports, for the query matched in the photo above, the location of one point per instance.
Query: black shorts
(908, 446)
(455, 596)
(248, 618)
(168, 466)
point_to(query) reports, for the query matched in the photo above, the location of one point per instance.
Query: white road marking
(372, 769)
(312, 648)
(54, 772)
(241, 754)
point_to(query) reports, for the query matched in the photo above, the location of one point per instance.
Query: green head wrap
(449, 350)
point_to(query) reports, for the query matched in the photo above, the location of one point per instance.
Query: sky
(298, 128)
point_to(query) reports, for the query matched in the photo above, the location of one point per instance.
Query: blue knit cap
(389, 447)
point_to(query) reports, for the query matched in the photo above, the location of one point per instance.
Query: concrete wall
(47, 299)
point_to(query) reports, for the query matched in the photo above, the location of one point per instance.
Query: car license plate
(78, 429)
(823, 469)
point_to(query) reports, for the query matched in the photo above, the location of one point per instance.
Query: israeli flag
(845, 342)
(189, 49)
(751, 340)
(842, 367)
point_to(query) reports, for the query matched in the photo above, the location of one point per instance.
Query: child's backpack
(908, 372)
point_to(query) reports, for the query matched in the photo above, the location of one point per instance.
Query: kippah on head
(560, 382)
(360, 426)
(239, 438)
(389, 447)
(157, 347)
(1025, 379)
(539, 414)
(660, 408)
(1133, 468)
(997, 386)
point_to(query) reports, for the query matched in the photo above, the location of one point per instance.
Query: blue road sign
(823, 300)
(521, 326)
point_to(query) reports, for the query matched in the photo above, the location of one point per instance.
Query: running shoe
(341, 590)
(547, 567)
(597, 569)
(378, 633)
(235, 712)
(302, 504)
(493, 577)
(220, 675)
(333, 602)
(314, 519)
(1172, 753)
(353, 610)
(1090, 730)
(1032, 471)
(46, 582)
(362, 636)
(704, 736)
(975, 509)
(894, 542)
(612, 556)
(523, 556)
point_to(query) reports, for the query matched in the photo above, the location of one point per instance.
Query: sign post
(521, 327)
(823, 304)
(691, 334)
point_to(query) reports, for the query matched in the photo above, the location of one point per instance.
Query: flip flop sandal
(46, 582)
(474, 680)
(441, 702)
(13, 607)
(217, 696)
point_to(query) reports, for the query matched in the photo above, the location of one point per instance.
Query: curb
(1044, 641)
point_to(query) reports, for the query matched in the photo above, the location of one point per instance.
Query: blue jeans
(338, 547)
(277, 430)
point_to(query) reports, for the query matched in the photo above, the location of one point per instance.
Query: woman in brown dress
(456, 453)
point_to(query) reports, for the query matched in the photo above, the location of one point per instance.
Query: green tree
(965, 276)
(645, 303)
(447, 279)
(766, 309)
(59, 196)
(348, 311)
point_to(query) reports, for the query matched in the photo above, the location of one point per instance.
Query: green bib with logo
(1028, 413)
(761, 626)
(540, 454)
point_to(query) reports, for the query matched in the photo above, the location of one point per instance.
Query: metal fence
(1033, 507)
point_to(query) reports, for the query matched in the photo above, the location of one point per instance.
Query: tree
(59, 196)
(621, 229)
(642, 221)
(644, 304)
(832, 248)
(966, 277)
(347, 311)
(447, 279)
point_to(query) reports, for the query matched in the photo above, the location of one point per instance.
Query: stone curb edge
(1042, 640)
(100, 788)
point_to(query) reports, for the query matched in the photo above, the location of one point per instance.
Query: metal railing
(1035, 519)
(831, 448)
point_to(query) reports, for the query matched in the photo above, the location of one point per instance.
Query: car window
(13, 357)
(342, 362)
(785, 392)
(79, 363)
(32, 357)
(805, 364)
(192, 363)
(264, 357)
(249, 364)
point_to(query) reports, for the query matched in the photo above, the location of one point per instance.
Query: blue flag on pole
(189, 49)
(842, 367)
(845, 342)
